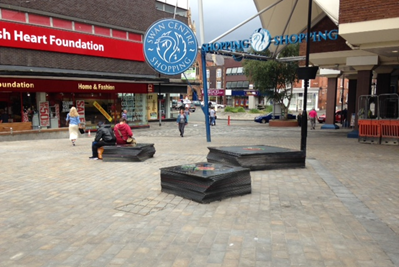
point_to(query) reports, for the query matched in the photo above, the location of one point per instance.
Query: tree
(274, 78)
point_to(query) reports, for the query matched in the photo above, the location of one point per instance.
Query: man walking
(312, 117)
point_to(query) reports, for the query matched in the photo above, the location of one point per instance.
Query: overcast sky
(223, 15)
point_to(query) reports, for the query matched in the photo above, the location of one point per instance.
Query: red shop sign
(216, 92)
(44, 112)
(54, 40)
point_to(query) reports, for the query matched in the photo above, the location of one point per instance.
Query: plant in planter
(275, 78)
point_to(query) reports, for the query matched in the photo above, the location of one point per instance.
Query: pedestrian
(299, 118)
(73, 119)
(187, 111)
(312, 118)
(124, 114)
(104, 137)
(122, 132)
(344, 118)
(212, 116)
(181, 122)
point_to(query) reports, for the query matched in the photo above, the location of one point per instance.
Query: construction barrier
(389, 132)
(369, 131)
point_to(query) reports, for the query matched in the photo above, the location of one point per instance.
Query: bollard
(89, 134)
(228, 120)
(11, 130)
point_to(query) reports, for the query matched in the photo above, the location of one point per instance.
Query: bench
(15, 126)
(205, 182)
(127, 153)
(257, 157)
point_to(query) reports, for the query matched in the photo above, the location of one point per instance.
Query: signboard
(26, 36)
(189, 74)
(50, 85)
(80, 107)
(66, 106)
(44, 114)
(261, 39)
(102, 111)
(215, 92)
(170, 46)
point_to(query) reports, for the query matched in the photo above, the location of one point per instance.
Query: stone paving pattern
(58, 208)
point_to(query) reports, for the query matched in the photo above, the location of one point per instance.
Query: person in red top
(125, 132)
(312, 118)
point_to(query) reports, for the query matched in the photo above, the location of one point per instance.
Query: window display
(135, 105)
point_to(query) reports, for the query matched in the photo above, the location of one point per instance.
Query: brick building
(55, 54)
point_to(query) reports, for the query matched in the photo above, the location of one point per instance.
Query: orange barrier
(389, 132)
(363, 126)
(369, 131)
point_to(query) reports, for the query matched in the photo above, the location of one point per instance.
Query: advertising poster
(152, 106)
(44, 113)
(80, 107)
(102, 111)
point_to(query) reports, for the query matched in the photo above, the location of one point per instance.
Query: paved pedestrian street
(58, 208)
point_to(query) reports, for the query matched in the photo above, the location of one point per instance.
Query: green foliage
(268, 109)
(254, 110)
(272, 76)
(240, 109)
(234, 110)
(228, 109)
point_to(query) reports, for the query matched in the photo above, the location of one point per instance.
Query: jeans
(212, 120)
(96, 145)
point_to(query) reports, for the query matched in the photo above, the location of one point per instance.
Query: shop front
(46, 102)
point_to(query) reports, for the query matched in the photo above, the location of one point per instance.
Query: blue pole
(205, 108)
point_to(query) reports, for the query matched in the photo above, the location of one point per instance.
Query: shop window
(136, 106)
(82, 27)
(13, 15)
(102, 31)
(63, 24)
(119, 34)
(134, 37)
(40, 20)
(218, 73)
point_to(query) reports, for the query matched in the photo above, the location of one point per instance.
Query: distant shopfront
(45, 102)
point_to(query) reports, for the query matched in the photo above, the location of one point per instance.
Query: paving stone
(61, 209)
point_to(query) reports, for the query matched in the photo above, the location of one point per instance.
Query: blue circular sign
(260, 40)
(170, 46)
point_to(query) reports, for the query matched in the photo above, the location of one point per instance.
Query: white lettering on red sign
(44, 111)
(80, 107)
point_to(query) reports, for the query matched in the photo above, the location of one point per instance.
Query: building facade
(87, 54)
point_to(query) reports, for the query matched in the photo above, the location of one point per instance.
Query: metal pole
(205, 108)
(201, 21)
(304, 128)
(159, 105)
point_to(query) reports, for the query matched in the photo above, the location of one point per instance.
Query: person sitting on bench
(104, 137)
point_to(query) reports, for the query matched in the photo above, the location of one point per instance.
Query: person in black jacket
(104, 137)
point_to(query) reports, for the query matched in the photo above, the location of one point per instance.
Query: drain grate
(145, 206)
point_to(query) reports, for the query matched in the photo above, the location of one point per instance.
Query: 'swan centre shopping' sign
(261, 39)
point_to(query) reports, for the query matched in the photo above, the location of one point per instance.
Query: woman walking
(74, 121)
